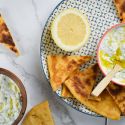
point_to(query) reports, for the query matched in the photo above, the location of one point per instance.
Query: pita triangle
(83, 81)
(60, 67)
(81, 85)
(120, 5)
(118, 94)
(6, 38)
(39, 115)
(65, 92)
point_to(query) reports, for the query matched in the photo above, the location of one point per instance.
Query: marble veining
(26, 19)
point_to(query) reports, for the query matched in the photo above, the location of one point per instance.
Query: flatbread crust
(120, 5)
(65, 92)
(6, 38)
(83, 81)
(81, 85)
(39, 115)
(83, 77)
(118, 94)
(60, 67)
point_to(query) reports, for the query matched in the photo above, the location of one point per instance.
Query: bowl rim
(98, 48)
(23, 96)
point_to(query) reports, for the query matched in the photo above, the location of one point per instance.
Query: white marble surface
(26, 19)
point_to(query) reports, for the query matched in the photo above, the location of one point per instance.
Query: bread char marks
(123, 6)
(78, 86)
(95, 68)
(71, 64)
(83, 81)
(65, 92)
(56, 74)
(81, 90)
(3, 27)
(61, 67)
(115, 90)
(118, 94)
(120, 5)
(77, 83)
(5, 36)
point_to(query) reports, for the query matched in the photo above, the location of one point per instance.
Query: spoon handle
(103, 84)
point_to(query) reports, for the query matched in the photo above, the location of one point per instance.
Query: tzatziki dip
(10, 100)
(112, 52)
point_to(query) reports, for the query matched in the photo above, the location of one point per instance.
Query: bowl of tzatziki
(13, 98)
(111, 51)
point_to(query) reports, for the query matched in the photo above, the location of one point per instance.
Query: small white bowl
(100, 46)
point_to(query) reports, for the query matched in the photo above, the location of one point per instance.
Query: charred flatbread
(6, 38)
(83, 81)
(118, 94)
(81, 90)
(60, 67)
(84, 78)
(39, 115)
(65, 92)
(120, 5)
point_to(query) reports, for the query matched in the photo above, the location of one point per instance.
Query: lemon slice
(70, 30)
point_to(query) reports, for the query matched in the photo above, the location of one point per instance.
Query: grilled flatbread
(118, 94)
(83, 77)
(60, 67)
(83, 81)
(6, 38)
(81, 84)
(65, 92)
(39, 115)
(120, 5)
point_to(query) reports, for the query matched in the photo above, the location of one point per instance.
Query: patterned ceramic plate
(101, 15)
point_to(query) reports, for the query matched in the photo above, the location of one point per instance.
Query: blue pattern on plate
(101, 15)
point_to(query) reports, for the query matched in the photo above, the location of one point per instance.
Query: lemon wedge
(70, 30)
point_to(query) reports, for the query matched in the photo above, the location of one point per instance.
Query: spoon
(103, 84)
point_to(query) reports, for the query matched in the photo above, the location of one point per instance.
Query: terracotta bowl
(99, 46)
(22, 90)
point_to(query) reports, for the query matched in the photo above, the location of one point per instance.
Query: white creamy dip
(112, 49)
(10, 101)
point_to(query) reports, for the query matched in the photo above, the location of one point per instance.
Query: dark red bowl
(98, 48)
(22, 90)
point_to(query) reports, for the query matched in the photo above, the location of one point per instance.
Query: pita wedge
(81, 84)
(118, 94)
(39, 115)
(120, 5)
(83, 81)
(6, 38)
(65, 92)
(60, 67)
